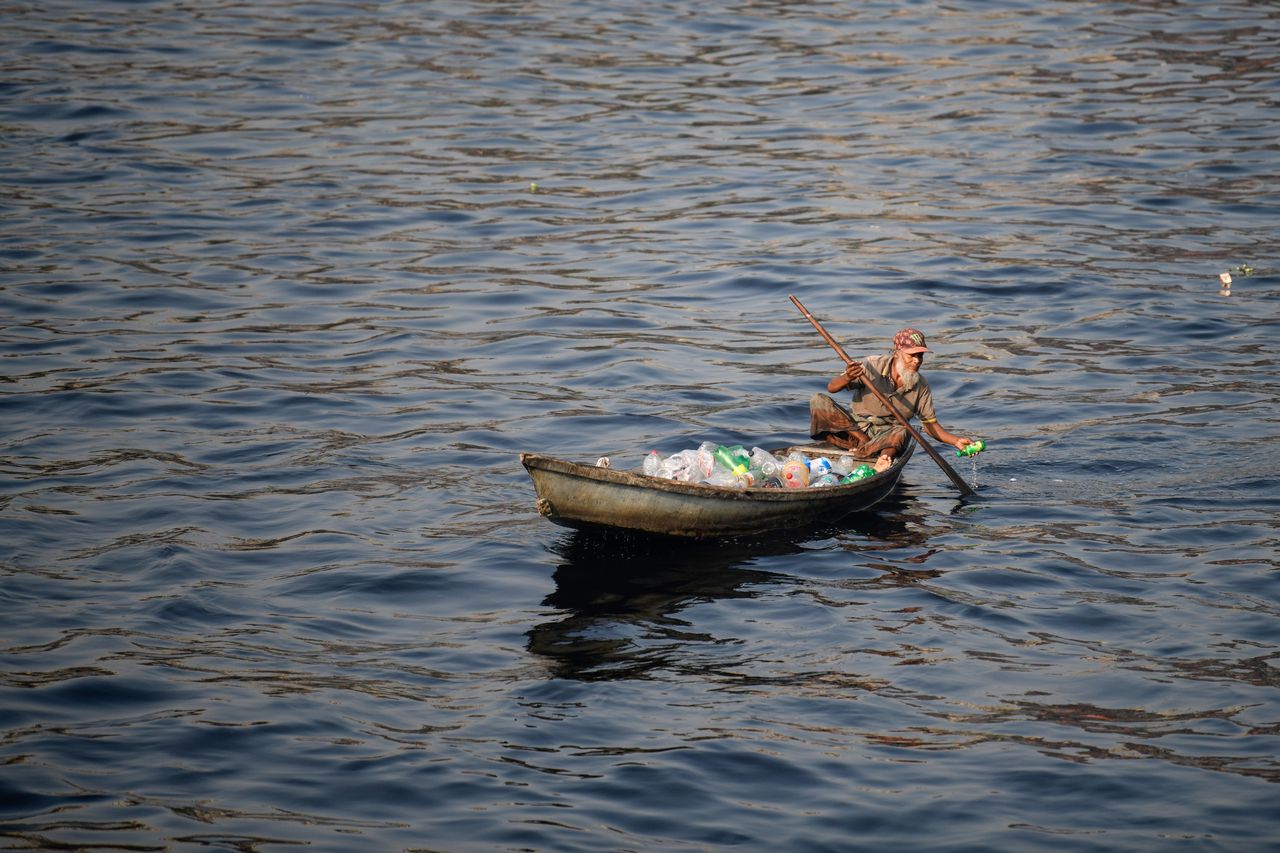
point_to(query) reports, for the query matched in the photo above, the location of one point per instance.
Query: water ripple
(286, 287)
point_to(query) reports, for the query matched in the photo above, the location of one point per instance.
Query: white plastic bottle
(678, 466)
(765, 462)
(706, 462)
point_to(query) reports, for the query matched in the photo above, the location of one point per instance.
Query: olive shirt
(874, 417)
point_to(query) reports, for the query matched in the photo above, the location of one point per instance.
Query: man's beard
(906, 374)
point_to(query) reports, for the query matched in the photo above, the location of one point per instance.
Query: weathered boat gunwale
(580, 495)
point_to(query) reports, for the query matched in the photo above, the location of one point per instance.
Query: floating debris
(1243, 271)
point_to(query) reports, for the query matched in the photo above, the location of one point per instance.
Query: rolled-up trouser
(830, 421)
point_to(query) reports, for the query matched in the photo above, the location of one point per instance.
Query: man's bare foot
(883, 462)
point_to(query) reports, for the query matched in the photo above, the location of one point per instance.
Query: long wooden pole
(937, 457)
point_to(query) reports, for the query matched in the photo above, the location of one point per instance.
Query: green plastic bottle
(734, 458)
(862, 472)
(973, 449)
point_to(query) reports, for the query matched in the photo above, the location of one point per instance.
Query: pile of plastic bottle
(733, 466)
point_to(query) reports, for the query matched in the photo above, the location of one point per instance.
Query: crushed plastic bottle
(652, 464)
(721, 477)
(818, 467)
(973, 449)
(861, 472)
(827, 479)
(679, 466)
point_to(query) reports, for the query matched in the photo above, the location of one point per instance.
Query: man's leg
(829, 421)
(886, 446)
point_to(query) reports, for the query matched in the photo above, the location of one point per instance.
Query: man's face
(909, 362)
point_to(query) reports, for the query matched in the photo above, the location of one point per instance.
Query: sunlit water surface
(287, 286)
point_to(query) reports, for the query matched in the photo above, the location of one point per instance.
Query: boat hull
(582, 496)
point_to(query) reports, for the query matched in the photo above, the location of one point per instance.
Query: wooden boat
(583, 496)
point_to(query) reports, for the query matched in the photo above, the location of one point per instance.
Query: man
(868, 427)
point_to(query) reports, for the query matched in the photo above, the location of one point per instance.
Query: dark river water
(286, 287)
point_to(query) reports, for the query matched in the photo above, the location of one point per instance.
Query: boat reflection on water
(620, 596)
(619, 601)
